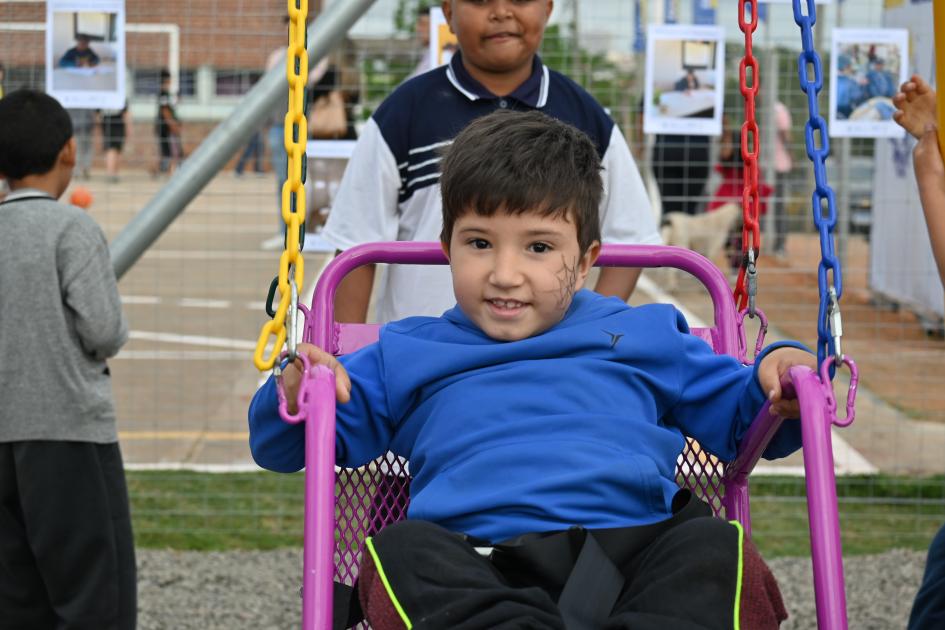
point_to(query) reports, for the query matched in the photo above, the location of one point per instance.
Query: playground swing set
(376, 495)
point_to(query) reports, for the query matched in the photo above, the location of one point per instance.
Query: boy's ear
(446, 249)
(587, 261)
(67, 153)
(447, 6)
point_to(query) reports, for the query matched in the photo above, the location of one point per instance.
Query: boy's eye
(539, 248)
(479, 243)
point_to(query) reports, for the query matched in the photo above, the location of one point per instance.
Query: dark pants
(928, 610)
(171, 151)
(681, 166)
(253, 151)
(66, 549)
(686, 578)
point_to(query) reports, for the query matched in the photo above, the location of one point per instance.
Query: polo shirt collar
(533, 92)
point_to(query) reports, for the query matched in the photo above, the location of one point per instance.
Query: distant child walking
(167, 128)
(66, 549)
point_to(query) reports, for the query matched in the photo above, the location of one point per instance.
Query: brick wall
(235, 34)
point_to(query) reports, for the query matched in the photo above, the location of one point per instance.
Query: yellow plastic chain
(291, 265)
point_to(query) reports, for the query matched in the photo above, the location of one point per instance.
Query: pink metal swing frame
(376, 495)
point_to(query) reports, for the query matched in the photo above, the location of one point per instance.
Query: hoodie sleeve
(362, 425)
(719, 398)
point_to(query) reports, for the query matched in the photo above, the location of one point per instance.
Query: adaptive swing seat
(343, 506)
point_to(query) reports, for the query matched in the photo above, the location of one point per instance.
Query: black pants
(687, 578)
(66, 548)
(681, 166)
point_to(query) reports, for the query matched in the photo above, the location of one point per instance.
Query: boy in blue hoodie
(537, 413)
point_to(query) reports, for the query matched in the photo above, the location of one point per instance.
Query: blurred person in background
(83, 125)
(253, 151)
(782, 173)
(79, 56)
(422, 35)
(116, 129)
(167, 128)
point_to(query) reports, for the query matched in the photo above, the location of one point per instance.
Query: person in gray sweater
(66, 547)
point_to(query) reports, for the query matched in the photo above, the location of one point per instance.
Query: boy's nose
(506, 271)
(501, 9)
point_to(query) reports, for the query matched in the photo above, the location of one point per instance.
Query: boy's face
(514, 275)
(498, 36)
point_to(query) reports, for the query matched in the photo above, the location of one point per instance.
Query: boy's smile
(514, 275)
(498, 36)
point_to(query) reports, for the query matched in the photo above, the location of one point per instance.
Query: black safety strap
(592, 588)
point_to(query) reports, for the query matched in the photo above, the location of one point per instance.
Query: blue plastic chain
(829, 328)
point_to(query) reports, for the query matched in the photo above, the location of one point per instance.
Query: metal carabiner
(831, 397)
(743, 336)
(751, 277)
(835, 323)
(293, 315)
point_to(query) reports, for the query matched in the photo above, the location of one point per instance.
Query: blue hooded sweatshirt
(580, 425)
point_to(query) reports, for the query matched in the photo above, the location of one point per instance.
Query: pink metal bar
(430, 253)
(318, 565)
(754, 442)
(826, 551)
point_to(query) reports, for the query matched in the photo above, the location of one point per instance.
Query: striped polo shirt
(390, 189)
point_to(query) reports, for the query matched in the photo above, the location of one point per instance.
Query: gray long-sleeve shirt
(60, 318)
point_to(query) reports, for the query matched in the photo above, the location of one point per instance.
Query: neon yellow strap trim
(369, 543)
(741, 571)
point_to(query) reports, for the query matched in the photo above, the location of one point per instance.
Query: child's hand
(916, 104)
(775, 366)
(926, 157)
(292, 375)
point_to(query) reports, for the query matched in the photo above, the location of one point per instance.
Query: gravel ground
(260, 590)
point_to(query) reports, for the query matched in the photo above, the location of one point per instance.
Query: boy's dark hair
(165, 74)
(523, 162)
(423, 10)
(33, 129)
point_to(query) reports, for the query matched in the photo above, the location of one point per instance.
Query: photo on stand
(866, 69)
(85, 53)
(684, 80)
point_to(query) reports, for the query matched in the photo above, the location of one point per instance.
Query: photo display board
(685, 72)
(85, 53)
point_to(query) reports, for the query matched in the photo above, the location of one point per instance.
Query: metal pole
(226, 139)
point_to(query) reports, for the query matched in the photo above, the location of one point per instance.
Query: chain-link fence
(195, 300)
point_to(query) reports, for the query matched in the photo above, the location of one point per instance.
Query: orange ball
(81, 197)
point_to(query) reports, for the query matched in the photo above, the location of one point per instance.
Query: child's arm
(278, 445)
(719, 398)
(363, 427)
(364, 210)
(90, 289)
(930, 176)
(625, 214)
